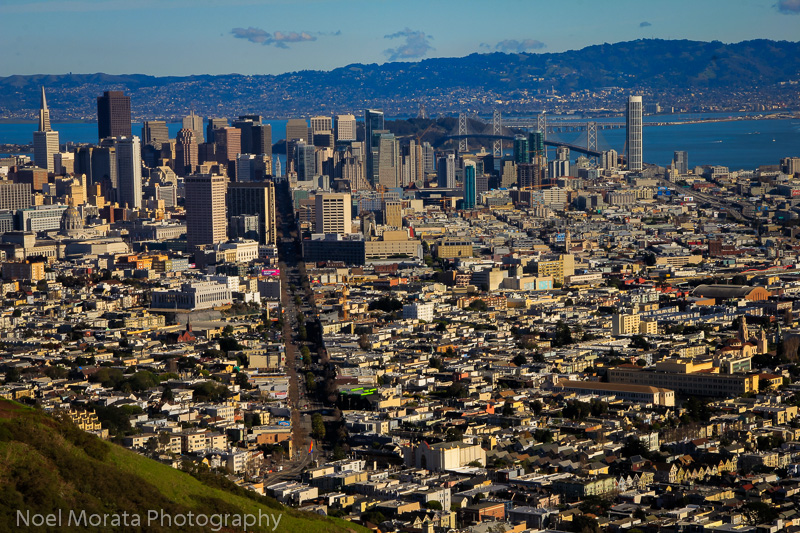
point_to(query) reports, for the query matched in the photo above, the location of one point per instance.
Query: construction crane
(420, 136)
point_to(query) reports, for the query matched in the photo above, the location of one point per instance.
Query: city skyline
(251, 37)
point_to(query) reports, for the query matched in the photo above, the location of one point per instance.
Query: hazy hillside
(48, 465)
(675, 72)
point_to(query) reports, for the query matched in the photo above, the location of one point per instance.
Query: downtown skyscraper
(113, 115)
(45, 140)
(633, 133)
(373, 121)
(129, 171)
(206, 213)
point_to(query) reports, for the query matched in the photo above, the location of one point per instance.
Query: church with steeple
(746, 343)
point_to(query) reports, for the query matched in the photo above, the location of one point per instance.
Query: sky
(184, 37)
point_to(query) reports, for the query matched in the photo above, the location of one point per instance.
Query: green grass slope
(47, 464)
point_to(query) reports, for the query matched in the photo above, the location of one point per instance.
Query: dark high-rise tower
(113, 115)
(373, 121)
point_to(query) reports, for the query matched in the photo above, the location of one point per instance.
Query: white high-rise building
(45, 140)
(129, 171)
(333, 213)
(345, 128)
(633, 133)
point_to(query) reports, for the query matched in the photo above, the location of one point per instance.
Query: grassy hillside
(47, 464)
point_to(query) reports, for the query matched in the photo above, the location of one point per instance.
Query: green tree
(520, 360)
(563, 335)
(311, 382)
(478, 305)
(317, 426)
(306, 355)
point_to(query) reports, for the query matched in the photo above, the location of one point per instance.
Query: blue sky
(181, 37)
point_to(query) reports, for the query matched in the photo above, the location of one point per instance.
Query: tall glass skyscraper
(535, 144)
(633, 133)
(373, 121)
(470, 186)
(521, 150)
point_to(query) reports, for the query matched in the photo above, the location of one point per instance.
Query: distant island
(678, 75)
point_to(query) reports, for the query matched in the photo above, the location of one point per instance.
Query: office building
(194, 123)
(206, 217)
(213, 125)
(393, 214)
(529, 175)
(521, 151)
(261, 143)
(633, 133)
(14, 195)
(470, 185)
(323, 139)
(255, 199)
(305, 162)
(345, 128)
(333, 213)
(386, 159)
(320, 125)
(251, 167)
(323, 165)
(610, 160)
(64, 163)
(446, 171)
(536, 145)
(45, 140)
(186, 152)
(129, 172)
(680, 162)
(297, 129)
(428, 158)
(373, 121)
(256, 137)
(113, 115)
(509, 175)
(155, 132)
(45, 146)
(104, 168)
(229, 144)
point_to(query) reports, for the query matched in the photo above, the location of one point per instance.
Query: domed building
(71, 220)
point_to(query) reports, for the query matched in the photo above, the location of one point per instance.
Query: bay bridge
(499, 130)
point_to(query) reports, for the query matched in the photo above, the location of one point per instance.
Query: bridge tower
(541, 125)
(591, 135)
(497, 131)
(463, 146)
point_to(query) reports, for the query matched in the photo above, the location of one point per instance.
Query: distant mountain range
(687, 75)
